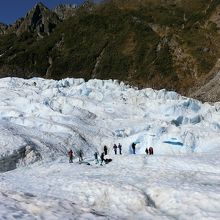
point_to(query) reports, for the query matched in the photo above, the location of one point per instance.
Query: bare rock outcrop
(3, 28)
(40, 19)
(65, 11)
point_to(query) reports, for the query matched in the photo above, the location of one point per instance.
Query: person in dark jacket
(146, 151)
(120, 148)
(70, 154)
(102, 157)
(80, 155)
(105, 150)
(115, 148)
(151, 151)
(96, 157)
(133, 147)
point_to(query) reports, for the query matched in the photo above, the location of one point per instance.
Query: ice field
(40, 120)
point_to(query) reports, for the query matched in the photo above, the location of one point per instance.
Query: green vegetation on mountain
(162, 44)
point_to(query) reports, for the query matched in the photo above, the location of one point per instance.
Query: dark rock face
(10, 162)
(39, 19)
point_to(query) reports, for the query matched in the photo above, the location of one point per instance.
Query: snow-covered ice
(41, 119)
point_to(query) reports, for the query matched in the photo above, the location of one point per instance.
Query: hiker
(96, 157)
(105, 150)
(115, 148)
(80, 155)
(151, 151)
(146, 151)
(119, 147)
(70, 154)
(133, 147)
(102, 157)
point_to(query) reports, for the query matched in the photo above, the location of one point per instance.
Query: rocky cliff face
(172, 44)
(40, 20)
(65, 11)
(3, 28)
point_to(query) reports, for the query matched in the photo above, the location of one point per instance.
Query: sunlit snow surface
(41, 119)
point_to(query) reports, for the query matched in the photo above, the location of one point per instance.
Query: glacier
(40, 120)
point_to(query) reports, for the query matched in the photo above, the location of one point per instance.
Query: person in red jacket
(151, 151)
(70, 154)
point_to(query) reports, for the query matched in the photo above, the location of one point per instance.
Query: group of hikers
(149, 151)
(117, 149)
(71, 155)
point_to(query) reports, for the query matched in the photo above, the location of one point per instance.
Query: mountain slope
(159, 44)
